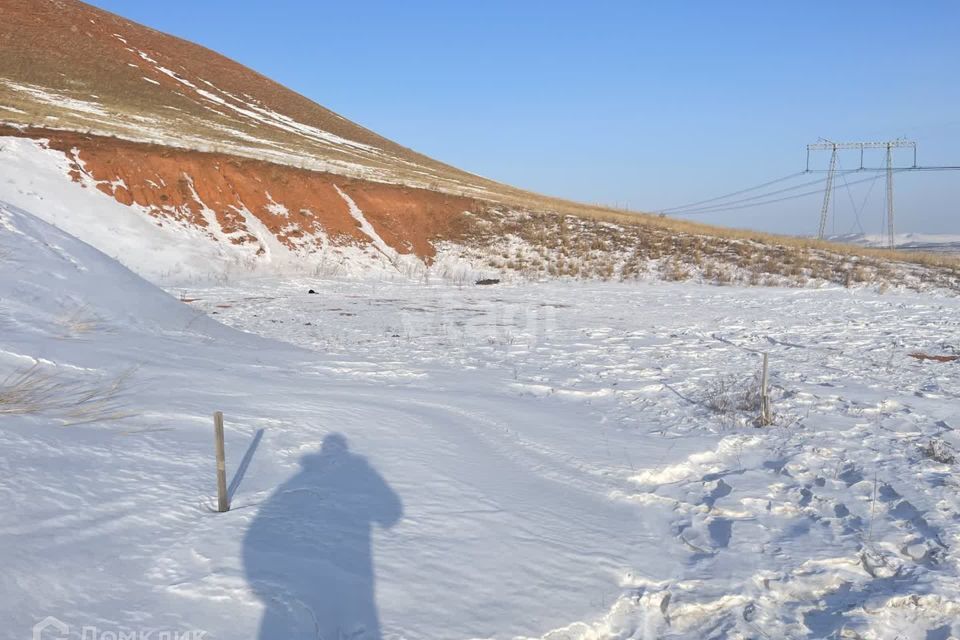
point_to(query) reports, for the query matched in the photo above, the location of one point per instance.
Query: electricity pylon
(827, 192)
(892, 242)
(833, 147)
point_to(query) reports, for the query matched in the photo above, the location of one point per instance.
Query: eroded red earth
(293, 204)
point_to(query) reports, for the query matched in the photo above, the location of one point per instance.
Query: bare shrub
(674, 271)
(634, 266)
(730, 393)
(723, 276)
(605, 270)
(938, 450)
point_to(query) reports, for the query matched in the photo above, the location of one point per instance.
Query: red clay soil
(73, 47)
(402, 214)
(178, 184)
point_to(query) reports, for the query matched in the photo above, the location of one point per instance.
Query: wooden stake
(223, 500)
(765, 417)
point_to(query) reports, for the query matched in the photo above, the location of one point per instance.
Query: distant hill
(933, 242)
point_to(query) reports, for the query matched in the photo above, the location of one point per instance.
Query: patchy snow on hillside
(45, 96)
(407, 461)
(190, 243)
(35, 178)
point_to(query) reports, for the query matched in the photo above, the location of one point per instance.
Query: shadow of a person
(307, 554)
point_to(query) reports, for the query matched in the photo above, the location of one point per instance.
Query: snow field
(560, 470)
(831, 521)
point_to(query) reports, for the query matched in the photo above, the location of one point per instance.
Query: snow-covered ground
(558, 460)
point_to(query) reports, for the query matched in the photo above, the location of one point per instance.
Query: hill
(187, 139)
(67, 65)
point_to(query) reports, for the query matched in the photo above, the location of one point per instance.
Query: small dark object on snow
(925, 356)
(489, 281)
(311, 291)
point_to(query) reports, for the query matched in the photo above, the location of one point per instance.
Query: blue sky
(646, 104)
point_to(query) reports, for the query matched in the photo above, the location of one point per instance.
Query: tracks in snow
(829, 521)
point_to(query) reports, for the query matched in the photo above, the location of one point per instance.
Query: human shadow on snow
(308, 555)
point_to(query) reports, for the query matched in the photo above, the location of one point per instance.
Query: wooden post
(765, 417)
(223, 500)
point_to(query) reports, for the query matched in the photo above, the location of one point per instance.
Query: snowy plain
(561, 460)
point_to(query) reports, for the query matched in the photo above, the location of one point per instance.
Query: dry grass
(536, 203)
(566, 245)
(35, 390)
(729, 394)
(578, 228)
(78, 322)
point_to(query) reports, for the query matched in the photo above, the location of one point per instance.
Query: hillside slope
(67, 65)
(181, 216)
(258, 177)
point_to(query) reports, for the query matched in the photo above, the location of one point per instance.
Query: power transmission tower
(827, 192)
(891, 240)
(833, 147)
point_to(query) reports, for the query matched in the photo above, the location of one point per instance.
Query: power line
(682, 210)
(732, 206)
(734, 193)
(678, 210)
(722, 207)
(694, 208)
(863, 169)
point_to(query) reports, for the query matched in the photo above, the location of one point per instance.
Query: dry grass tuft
(35, 390)
(729, 394)
(78, 322)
